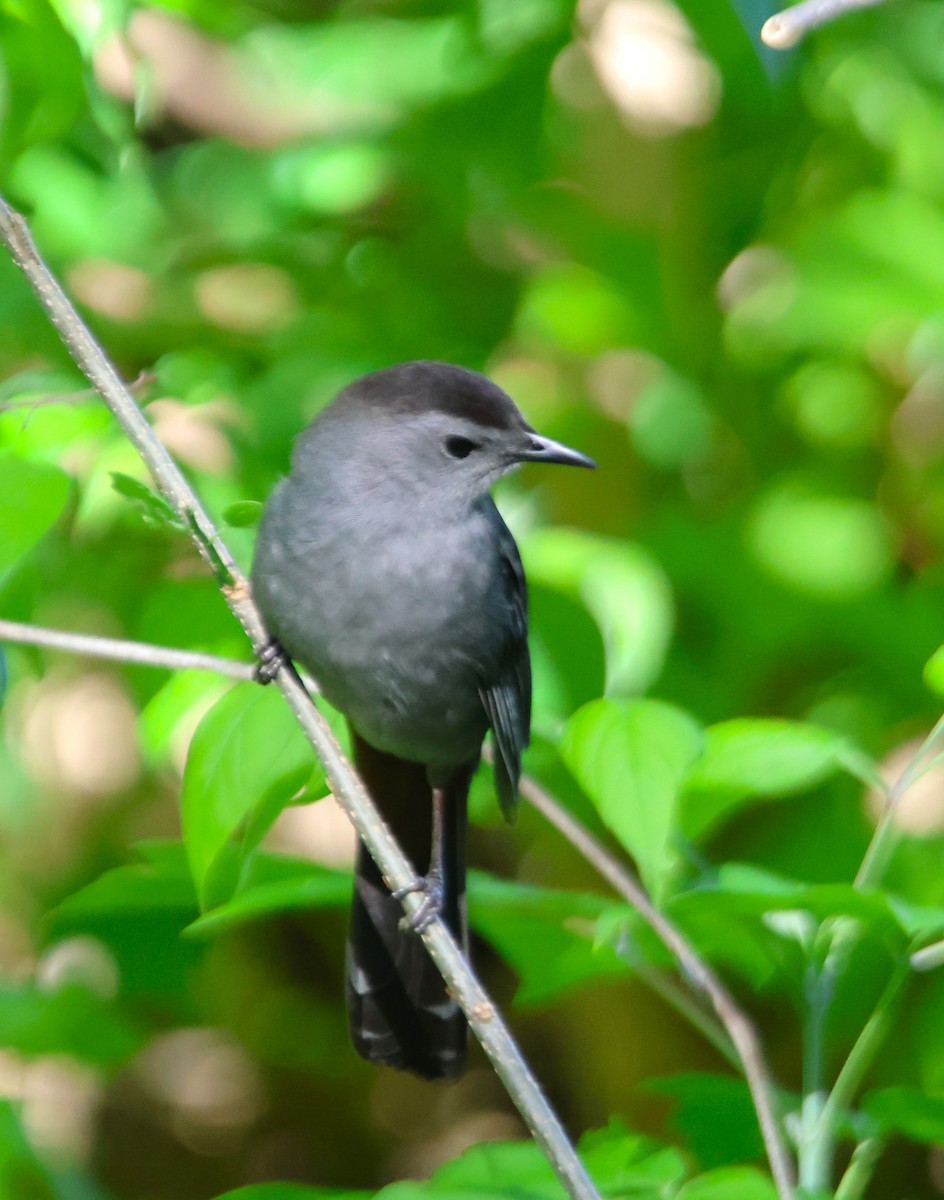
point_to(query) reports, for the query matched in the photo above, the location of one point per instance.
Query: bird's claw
(271, 660)
(431, 886)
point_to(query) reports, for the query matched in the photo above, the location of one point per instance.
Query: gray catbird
(384, 568)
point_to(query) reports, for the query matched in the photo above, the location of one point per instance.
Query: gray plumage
(384, 568)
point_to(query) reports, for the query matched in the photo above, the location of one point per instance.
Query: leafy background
(717, 270)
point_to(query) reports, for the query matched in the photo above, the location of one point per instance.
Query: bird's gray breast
(400, 622)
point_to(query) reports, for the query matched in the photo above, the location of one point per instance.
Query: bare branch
(738, 1026)
(346, 785)
(785, 29)
(34, 402)
(91, 646)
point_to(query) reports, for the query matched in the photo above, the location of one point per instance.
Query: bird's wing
(507, 695)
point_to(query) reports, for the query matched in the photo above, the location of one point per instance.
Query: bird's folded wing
(507, 696)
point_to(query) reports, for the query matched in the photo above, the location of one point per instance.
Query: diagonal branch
(482, 1015)
(739, 1027)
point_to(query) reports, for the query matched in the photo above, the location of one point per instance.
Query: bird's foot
(271, 660)
(431, 886)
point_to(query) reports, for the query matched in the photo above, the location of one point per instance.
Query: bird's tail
(399, 1011)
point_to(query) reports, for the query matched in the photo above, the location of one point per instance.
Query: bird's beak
(545, 450)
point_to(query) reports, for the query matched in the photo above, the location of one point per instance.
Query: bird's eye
(460, 447)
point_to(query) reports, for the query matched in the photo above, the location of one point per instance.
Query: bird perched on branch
(384, 568)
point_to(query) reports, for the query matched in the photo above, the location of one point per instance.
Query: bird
(383, 567)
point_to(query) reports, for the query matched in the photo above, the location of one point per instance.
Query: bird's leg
(430, 884)
(271, 660)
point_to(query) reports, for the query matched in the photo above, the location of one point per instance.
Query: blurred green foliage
(719, 272)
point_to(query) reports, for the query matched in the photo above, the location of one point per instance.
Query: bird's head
(443, 432)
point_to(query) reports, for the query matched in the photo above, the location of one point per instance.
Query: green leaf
(631, 758)
(160, 881)
(625, 590)
(730, 1183)
(917, 920)
(372, 70)
(907, 1112)
(138, 911)
(91, 24)
(763, 926)
(176, 703)
(154, 508)
(247, 760)
(620, 1163)
(623, 1162)
(32, 495)
(744, 890)
(567, 657)
(547, 936)
(272, 885)
(756, 759)
(242, 514)
(714, 1114)
(934, 671)
(70, 1020)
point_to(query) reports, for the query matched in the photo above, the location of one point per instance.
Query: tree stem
(119, 650)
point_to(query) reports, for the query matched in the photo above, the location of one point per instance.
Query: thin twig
(143, 381)
(786, 28)
(93, 646)
(740, 1029)
(47, 401)
(346, 785)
